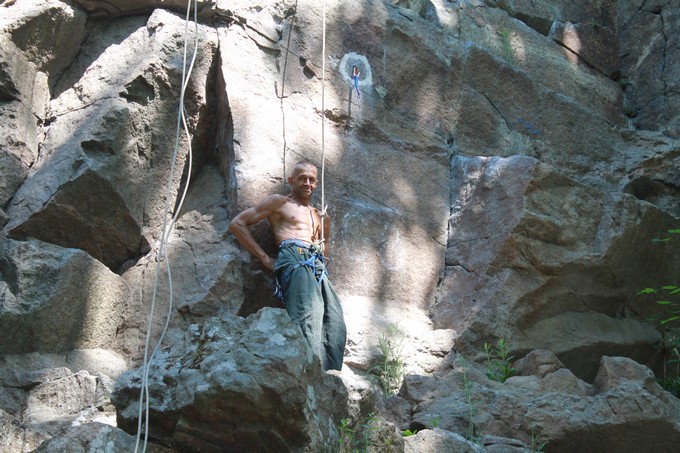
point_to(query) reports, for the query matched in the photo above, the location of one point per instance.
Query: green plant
(472, 432)
(358, 440)
(346, 436)
(537, 444)
(668, 298)
(433, 423)
(390, 371)
(672, 385)
(506, 46)
(499, 362)
(624, 82)
(668, 322)
(670, 302)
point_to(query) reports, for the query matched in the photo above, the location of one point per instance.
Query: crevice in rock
(410, 19)
(97, 147)
(139, 91)
(664, 57)
(541, 24)
(507, 124)
(52, 116)
(580, 59)
(58, 78)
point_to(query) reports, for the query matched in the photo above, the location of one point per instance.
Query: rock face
(248, 377)
(622, 411)
(498, 171)
(45, 395)
(648, 66)
(100, 141)
(537, 243)
(96, 437)
(57, 299)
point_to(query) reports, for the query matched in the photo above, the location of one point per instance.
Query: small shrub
(390, 371)
(431, 424)
(667, 297)
(499, 362)
(472, 431)
(537, 445)
(355, 440)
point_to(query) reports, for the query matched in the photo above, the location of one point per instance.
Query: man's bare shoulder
(272, 202)
(267, 207)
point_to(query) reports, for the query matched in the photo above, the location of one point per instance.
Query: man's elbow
(235, 226)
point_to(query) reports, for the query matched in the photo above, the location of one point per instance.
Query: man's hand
(269, 263)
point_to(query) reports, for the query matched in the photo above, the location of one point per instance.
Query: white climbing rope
(143, 409)
(283, 92)
(323, 123)
(323, 114)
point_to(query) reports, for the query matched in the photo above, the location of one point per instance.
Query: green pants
(311, 301)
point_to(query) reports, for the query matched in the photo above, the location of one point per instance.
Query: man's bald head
(301, 166)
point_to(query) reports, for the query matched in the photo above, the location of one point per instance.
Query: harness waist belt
(295, 242)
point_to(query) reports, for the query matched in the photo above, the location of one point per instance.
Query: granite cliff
(502, 170)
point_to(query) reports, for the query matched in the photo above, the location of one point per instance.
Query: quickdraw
(355, 76)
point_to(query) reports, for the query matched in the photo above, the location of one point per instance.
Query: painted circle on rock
(347, 63)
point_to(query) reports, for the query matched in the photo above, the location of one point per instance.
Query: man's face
(303, 180)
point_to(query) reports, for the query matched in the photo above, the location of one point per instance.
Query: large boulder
(626, 410)
(44, 395)
(55, 299)
(96, 436)
(39, 404)
(237, 384)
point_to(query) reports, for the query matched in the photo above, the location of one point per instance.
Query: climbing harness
(315, 254)
(144, 409)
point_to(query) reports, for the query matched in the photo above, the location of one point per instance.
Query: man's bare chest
(298, 215)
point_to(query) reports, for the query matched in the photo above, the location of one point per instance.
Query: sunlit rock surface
(498, 170)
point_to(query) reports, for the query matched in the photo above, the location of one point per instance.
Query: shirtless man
(299, 267)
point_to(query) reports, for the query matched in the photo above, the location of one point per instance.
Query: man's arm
(240, 224)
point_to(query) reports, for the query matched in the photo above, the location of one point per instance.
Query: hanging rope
(323, 115)
(143, 409)
(283, 91)
(323, 123)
